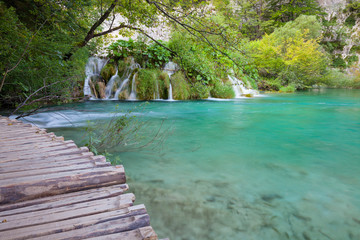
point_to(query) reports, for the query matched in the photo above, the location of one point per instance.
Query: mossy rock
(121, 67)
(222, 90)
(200, 91)
(146, 83)
(124, 95)
(180, 86)
(108, 71)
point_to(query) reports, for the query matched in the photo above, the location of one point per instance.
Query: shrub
(287, 89)
(180, 86)
(200, 91)
(222, 90)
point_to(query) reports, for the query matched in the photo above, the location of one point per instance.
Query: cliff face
(342, 31)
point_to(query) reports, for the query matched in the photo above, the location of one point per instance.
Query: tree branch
(91, 32)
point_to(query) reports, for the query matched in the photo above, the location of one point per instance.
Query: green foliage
(222, 90)
(108, 71)
(338, 62)
(157, 55)
(181, 88)
(154, 54)
(35, 40)
(291, 55)
(147, 80)
(336, 79)
(200, 91)
(287, 89)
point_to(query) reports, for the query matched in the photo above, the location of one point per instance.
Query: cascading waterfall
(133, 89)
(124, 86)
(92, 70)
(110, 84)
(240, 89)
(170, 68)
(115, 86)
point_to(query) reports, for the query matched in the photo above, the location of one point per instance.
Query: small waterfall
(93, 69)
(170, 68)
(110, 85)
(133, 88)
(118, 91)
(157, 96)
(170, 93)
(240, 89)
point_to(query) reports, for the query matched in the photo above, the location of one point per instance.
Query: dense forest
(271, 45)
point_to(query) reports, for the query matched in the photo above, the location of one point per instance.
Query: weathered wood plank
(104, 228)
(67, 212)
(60, 152)
(36, 150)
(39, 146)
(56, 160)
(67, 198)
(28, 172)
(145, 233)
(76, 223)
(27, 188)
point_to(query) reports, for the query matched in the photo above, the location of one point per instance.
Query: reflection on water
(280, 167)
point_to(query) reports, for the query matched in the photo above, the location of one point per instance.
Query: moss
(149, 82)
(121, 68)
(287, 89)
(221, 90)
(180, 87)
(351, 59)
(338, 62)
(108, 71)
(200, 91)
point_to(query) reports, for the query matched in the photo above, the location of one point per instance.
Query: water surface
(284, 166)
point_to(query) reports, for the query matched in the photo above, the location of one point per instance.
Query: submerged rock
(270, 197)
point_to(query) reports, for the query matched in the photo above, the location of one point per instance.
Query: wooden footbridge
(51, 189)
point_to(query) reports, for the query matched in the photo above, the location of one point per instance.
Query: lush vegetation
(270, 45)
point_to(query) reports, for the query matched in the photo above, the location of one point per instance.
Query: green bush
(336, 79)
(180, 86)
(222, 90)
(108, 71)
(200, 91)
(148, 82)
(287, 89)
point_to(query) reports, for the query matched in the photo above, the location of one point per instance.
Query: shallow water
(284, 166)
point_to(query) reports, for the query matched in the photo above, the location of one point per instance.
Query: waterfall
(240, 89)
(92, 69)
(157, 96)
(118, 91)
(116, 84)
(170, 68)
(170, 93)
(110, 85)
(133, 88)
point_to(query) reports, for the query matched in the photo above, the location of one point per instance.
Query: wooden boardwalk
(51, 189)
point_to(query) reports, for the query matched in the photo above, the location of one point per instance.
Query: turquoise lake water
(281, 166)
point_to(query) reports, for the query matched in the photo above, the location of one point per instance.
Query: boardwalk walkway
(51, 189)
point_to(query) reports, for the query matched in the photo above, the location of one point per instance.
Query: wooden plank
(27, 188)
(75, 223)
(39, 146)
(25, 140)
(66, 212)
(67, 198)
(34, 150)
(104, 228)
(144, 233)
(11, 175)
(56, 160)
(60, 152)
